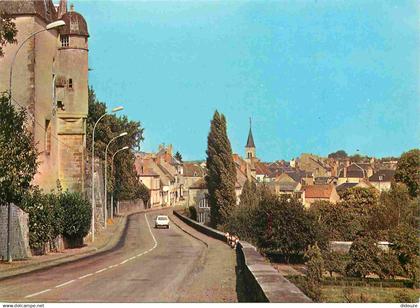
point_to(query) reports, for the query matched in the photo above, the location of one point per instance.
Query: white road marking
(81, 277)
(35, 294)
(64, 284)
(104, 269)
(101, 270)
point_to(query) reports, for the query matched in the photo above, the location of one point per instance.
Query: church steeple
(250, 145)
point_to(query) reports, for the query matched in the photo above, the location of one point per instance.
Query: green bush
(77, 215)
(45, 218)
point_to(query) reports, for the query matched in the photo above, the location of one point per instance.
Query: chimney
(62, 8)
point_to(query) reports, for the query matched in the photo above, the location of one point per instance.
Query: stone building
(50, 80)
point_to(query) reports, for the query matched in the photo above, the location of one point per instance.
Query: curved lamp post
(106, 174)
(53, 25)
(112, 173)
(93, 170)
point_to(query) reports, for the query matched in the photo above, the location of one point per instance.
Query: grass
(339, 294)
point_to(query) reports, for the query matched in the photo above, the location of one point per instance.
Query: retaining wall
(19, 231)
(261, 281)
(130, 206)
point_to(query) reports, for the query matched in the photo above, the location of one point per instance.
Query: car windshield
(162, 218)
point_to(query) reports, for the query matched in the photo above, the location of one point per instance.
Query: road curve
(148, 265)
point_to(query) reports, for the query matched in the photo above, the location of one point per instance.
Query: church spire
(250, 142)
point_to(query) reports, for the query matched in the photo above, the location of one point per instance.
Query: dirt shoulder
(214, 277)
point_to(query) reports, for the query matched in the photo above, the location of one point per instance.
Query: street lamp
(106, 174)
(93, 170)
(112, 173)
(53, 25)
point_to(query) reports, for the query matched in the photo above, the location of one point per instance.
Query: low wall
(129, 206)
(261, 281)
(19, 233)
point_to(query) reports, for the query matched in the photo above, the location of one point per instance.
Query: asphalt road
(148, 265)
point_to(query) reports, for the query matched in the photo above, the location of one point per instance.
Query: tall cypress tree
(221, 176)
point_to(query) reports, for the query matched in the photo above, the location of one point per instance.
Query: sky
(315, 76)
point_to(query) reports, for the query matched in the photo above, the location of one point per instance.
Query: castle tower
(250, 152)
(72, 97)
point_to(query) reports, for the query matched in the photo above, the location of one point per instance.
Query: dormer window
(64, 40)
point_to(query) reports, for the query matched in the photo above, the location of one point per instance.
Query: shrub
(45, 218)
(192, 212)
(315, 269)
(77, 215)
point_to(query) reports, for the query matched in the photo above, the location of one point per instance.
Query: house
(198, 197)
(313, 164)
(192, 172)
(50, 81)
(347, 185)
(167, 169)
(285, 185)
(382, 179)
(314, 193)
(354, 173)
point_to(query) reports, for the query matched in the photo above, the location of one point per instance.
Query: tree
(405, 244)
(334, 262)
(408, 171)
(178, 156)
(337, 155)
(394, 208)
(364, 256)
(8, 31)
(337, 222)
(359, 203)
(221, 176)
(242, 217)
(18, 155)
(124, 182)
(283, 226)
(389, 265)
(250, 195)
(314, 271)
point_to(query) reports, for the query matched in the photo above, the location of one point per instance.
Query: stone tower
(72, 96)
(50, 80)
(250, 153)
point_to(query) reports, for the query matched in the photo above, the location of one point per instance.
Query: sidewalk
(214, 280)
(103, 241)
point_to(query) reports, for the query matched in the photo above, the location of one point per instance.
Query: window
(381, 178)
(70, 83)
(64, 40)
(201, 217)
(47, 137)
(249, 154)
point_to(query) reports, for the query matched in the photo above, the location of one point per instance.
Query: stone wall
(20, 233)
(129, 206)
(262, 282)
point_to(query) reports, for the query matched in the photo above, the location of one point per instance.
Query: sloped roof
(75, 24)
(250, 142)
(192, 170)
(318, 191)
(387, 175)
(199, 184)
(345, 186)
(287, 186)
(43, 8)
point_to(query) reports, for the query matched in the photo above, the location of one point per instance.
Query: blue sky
(316, 76)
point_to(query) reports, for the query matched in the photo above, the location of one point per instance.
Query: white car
(162, 221)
